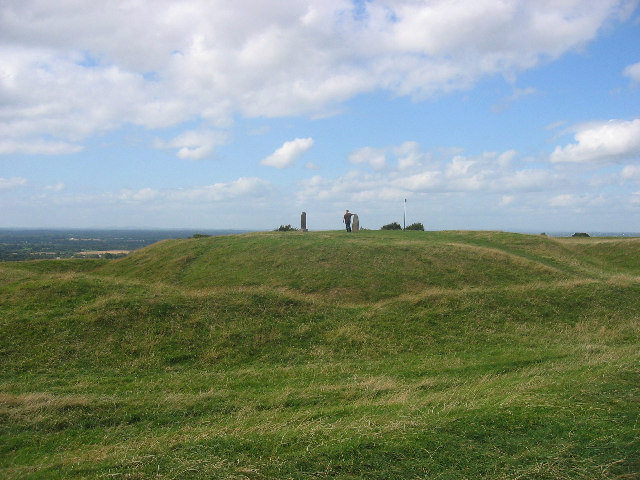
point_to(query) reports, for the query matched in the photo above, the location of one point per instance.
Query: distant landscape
(325, 355)
(33, 244)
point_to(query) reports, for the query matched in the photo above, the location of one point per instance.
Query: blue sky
(482, 114)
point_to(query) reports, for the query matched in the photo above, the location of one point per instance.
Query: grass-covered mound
(325, 355)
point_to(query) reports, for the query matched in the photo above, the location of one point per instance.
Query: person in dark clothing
(347, 220)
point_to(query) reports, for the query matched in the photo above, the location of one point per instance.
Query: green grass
(377, 355)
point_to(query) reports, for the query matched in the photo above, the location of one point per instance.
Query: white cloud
(73, 69)
(54, 94)
(287, 154)
(507, 200)
(633, 72)
(555, 125)
(58, 187)
(489, 190)
(459, 167)
(244, 187)
(564, 200)
(506, 158)
(142, 195)
(194, 144)
(13, 182)
(374, 157)
(409, 155)
(490, 173)
(311, 166)
(602, 142)
(631, 173)
(420, 182)
(517, 94)
(37, 147)
(243, 203)
(467, 175)
(527, 180)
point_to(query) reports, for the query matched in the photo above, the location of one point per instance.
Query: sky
(511, 115)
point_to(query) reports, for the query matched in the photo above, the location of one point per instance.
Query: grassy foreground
(377, 355)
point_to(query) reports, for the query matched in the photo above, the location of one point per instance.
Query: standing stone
(356, 223)
(303, 222)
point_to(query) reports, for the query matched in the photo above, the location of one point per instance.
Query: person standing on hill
(347, 220)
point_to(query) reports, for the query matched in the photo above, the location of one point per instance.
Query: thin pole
(404, 222)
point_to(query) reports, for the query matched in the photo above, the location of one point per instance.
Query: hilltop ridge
(369, 266)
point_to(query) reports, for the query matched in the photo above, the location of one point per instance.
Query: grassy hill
(378, 355)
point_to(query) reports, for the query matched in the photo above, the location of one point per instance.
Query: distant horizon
(551, 233)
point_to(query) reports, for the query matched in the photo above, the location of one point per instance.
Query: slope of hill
(326, 355)
(371, 265)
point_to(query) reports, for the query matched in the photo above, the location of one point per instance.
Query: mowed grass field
(323, 355)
